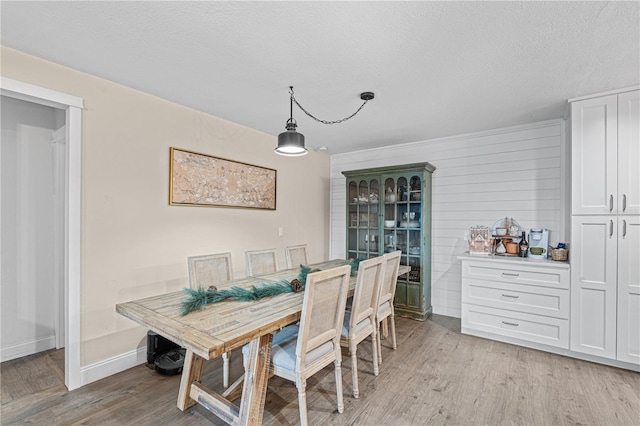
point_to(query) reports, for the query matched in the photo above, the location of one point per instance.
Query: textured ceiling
(437, 68)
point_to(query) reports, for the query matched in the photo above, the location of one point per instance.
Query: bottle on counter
(523, 247)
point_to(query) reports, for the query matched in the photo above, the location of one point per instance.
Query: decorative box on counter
(480, 241)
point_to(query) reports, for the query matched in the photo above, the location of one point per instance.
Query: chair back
(210, 269)
(325, 299)
(260, 262)
(367, 292)
(296, 256)
(388, 287)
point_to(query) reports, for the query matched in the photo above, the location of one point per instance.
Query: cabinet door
(363, 218)
(594, 155)
(404, 206)
(629, 153)
(629, 289)
(593, 285)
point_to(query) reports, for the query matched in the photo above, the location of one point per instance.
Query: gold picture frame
(203, 180)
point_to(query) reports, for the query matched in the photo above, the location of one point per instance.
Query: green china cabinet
(388, 209)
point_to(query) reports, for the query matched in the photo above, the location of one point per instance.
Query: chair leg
(379, 350)
(302, 401)
(338, 371)
(354, 373)
(225, 370)
(385, 329)
(374, 350)
(393, 330)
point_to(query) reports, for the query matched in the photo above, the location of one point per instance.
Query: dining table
(221, 327)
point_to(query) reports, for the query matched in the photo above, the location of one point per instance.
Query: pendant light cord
(293, 98)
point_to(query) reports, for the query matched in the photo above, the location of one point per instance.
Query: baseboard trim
(113, 365)
(27, 348)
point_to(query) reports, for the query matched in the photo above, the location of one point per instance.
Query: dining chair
(360, 321)
(258, 262)
(209, 270)
(387, 293)
(316, 340)
(296, 256)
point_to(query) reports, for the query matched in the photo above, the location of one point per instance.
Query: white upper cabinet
(606, 155)
(594, 134)
(629, 153)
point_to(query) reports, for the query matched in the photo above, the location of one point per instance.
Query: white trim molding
(40, 95)
(73, 213)
(610, 92)
(113, 365)
(27, 348)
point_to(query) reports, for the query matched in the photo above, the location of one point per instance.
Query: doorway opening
(32, 263)
(40, 213)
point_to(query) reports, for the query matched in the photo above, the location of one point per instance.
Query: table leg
(256, 376)
(192, 371)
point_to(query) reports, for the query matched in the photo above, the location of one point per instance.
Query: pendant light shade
(291, 143)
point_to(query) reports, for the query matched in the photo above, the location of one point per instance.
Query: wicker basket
(559, 254)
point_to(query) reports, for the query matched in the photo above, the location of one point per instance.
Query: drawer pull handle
(624, 202)
(510, 275)
(510, 296)
(510, 323)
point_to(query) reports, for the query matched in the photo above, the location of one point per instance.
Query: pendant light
(291, 143)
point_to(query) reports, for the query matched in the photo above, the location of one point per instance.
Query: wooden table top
(227, 325)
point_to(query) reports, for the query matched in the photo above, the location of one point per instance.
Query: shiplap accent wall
(516, 172)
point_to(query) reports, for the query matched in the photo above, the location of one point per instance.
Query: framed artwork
(204, 180)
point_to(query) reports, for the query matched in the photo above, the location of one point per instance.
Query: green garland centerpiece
(199, 298)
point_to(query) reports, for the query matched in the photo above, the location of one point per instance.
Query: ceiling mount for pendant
(291, 143)
(367, 96)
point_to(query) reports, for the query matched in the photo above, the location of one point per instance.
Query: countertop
(515, 260)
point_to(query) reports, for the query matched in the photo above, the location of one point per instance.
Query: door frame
(72, 106)
(58, 141)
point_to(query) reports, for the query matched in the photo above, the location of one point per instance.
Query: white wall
(482, 177)
(28, 294)
(134, 244)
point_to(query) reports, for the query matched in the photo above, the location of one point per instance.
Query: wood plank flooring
(437, 376)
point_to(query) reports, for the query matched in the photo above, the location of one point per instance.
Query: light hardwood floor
(437, 376)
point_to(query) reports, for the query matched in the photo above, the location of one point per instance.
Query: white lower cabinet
(605, 287)
(594, 285)
(628, 333)
(523, 301)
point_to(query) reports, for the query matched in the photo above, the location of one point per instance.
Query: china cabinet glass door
(403, 207)
(363, 217)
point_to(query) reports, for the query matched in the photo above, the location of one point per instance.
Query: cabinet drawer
(517, 297)
(533, 328)
(518, 274)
